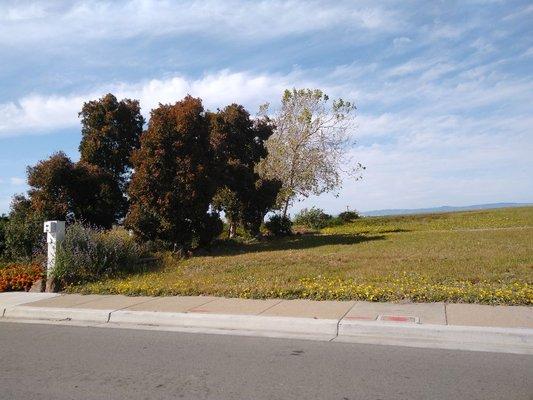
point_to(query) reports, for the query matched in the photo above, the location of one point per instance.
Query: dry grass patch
(483, 256)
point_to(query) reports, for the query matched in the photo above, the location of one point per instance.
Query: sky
(443, 89)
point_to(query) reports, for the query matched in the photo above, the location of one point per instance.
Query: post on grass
(55, 233)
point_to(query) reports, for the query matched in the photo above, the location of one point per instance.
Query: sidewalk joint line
(339, 322)
(273, 305)
(75, 305)
(133, 305)
(200, 305)
(446, 313)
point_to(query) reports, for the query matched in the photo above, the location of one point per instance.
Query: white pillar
(55, 233)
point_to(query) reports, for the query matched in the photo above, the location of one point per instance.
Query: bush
(314, 218)
(87, 253)
(349, 216)
(209, 229)
(3, 223)
(17, 277)
(24, 236)
(279, 225)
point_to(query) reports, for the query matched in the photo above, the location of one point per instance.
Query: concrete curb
(251, 323)
(56, 314)
(475, 338)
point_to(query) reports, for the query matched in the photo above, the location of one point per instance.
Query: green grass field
(480, 256)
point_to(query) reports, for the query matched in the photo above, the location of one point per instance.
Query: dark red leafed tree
(172, 186)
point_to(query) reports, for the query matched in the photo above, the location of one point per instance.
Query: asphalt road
(63, 362)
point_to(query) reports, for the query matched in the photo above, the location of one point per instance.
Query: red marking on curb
(397, 318)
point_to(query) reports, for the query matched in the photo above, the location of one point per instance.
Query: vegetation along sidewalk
(455, 257)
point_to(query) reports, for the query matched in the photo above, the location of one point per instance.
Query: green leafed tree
(111, 130)
(63, 190)
(51, 182)
(309, 148)
(172, 184)
(3, 222)
(23, 230)
(238, 144)
(258, 200)
(96, 197)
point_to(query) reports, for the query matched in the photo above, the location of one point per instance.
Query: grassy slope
(481, 256)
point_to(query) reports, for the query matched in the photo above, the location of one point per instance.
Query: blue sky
(444, 89)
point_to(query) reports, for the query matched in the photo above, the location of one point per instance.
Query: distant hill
(403, 211)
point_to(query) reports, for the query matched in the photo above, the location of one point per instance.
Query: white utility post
(55, 233)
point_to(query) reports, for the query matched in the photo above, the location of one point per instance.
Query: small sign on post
(55, 233)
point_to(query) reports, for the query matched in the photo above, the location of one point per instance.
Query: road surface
(65, 362)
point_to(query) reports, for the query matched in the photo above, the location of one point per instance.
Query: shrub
(24, 236)
(279, 225)
(335, 221)
(314, 218)
(17, 277)
(3, 223)
(349, 216)
(210, 228)
(87, 253)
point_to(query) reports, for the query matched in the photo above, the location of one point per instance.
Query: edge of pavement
(473, 338)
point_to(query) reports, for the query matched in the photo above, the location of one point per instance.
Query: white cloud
(411, 66)
(483, 46)
(447, 31)
(38, 22)
(401, 41)
(528, 52)
(217, 90)
(39, 113)
(16, 181)
(521, 13)
(24, 12)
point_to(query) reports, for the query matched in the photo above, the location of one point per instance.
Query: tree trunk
(232, 229)
(285, 208)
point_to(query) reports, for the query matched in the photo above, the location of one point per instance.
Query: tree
(51, 183)
(258, 200)
(63, 190)
(309, 146)
(238, 144)
(96, 197)
(111, 130)
(24, 230)
(172, 185)
(226, 200)
(3, 222)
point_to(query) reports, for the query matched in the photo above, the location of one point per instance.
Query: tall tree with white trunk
(309, 149)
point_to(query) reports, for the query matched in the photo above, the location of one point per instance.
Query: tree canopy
(63, 190)
(172, 186)
(111, 130)
(309, 147)
(238, 144)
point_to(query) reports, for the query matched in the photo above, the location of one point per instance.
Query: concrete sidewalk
(436, 325)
